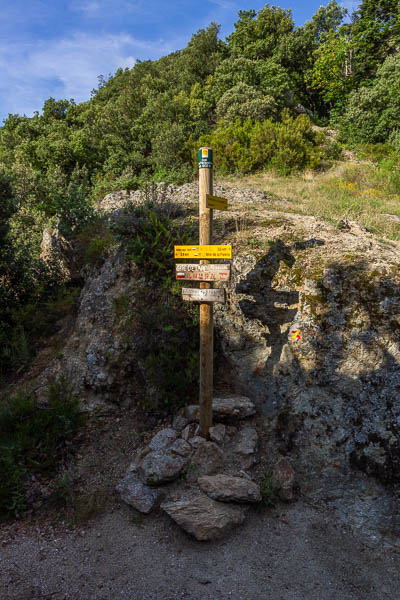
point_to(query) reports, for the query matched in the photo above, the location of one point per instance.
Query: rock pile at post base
(203, 483)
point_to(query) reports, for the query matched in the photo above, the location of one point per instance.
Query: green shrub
(287, 146)
(394, 139)
(296, 144)
(373, 113)
(164, 327)
(245, 102)
(148, 233)
(177, 176)
(92, 243)
(33, 440)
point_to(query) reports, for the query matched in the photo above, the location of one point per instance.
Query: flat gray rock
(138, 495)
(197, 441)
(159, 467)
(204, 518)
(179, 422)
(238, 407)
(226, 488)
(162, 439)
(233, 406)
(180, 448)
(217, 433)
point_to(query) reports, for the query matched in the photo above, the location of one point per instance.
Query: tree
(262, 35)
(202, 55)
(376, 34)
(299, 56)
(332, 73)
(245, 102)
(373, 113)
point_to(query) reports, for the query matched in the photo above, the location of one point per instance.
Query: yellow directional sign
(203, 252)
(216, 202)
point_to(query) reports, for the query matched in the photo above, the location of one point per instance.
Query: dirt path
(290, 552)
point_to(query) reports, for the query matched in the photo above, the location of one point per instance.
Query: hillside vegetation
(262, 98)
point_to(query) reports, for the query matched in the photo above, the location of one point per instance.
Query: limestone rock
(138, 495)
(190, 431)
(162, 439)
(204, 518)
(180, 448)
(238, 407)
(208, 459)
(192, 412)
(235, 406)
(179, 423)
(227, 488)
(161, 467)
(217, 433)
(197, 441)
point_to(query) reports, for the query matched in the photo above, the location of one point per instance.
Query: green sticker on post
(205, 158)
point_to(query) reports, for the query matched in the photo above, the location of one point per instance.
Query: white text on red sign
(203, 272)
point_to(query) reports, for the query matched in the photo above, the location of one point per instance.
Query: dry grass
(359, 191)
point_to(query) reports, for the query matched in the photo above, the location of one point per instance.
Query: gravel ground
(287, 553)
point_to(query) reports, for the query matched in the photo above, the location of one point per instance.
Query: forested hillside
(254, 97)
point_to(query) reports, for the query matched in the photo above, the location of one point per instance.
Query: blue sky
(58, 48)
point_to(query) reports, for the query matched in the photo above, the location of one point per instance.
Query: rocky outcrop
(309, 333)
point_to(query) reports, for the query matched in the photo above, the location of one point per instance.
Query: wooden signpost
(205, 273)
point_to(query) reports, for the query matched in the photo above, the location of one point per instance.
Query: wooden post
(206, 308)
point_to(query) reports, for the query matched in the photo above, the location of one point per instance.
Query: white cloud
(66, 68)
(226, 4)
(88, 8)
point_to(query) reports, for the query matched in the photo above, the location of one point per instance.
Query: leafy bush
(148, 234)
(373, 113)
(394, 139)
(286, 146)
(244, 102)
(164, 327)
(33, 440)
(69, 201)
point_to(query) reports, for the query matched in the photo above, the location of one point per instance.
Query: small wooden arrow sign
(203, 252)
(203, 272)
(196, 295)
(216, 202)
